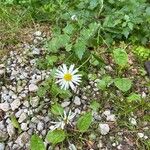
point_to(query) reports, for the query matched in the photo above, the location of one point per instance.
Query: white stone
(111, 118)
(2, 126)
(106, 112)
(2, 146)
(36, 51)
(104, 128)
(26, 104)
(10, 130)
(65, 104)
(24, 126)
(4, 106)
(40, 126)
(38, 33)
(34, 101)
(143, 94)
(2, 71)
(33, 88)
(15, 104)
(133, 121)
(22, 139)
(145, 137)
(140, 135)
(77, 100)
(18, 113)
(22, 117)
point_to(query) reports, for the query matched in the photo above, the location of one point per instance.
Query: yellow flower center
(68, 77)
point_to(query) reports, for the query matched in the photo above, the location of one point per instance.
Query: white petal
(71, 69)
(65, 68)
(66, 86)
(76, 82)
(61, 80)
(75, 71)
(63, 84)
(71, 85)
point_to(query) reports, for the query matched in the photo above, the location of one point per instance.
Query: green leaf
(84, 122)
(101, 85)
(69, 29)
(121, 57)
(15, 123)
(80, 48)
(134, 97)
(105, 82)
(95, 105)
(51, 59)
(123, 84)
(57, 42)
(36, 143)
(57, 109)
(56, 136)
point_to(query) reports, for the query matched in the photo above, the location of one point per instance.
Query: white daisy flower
(64, 120)
(67, 77)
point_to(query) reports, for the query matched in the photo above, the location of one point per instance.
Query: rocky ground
(22, 113)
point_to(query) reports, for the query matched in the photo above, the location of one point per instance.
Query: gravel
(77, 101)
(104, 129)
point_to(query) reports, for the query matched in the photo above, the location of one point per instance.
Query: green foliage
(57, 109)
(142, 52)
(104, 83)
(15, 123)
(95, 105)
(36, 143)
(133, 97)
(123, 84)
(121, 57)
(56, 136)
(84, 122)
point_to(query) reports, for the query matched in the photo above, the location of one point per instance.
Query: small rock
(40, 126)
(34, 101)
(15, 104)
(33, 88)
(111, 118)
(65, 104)
(104, 128)
(38, 33)
(2, 146)
(77, 100)
(2, 126)
(10, 130)
(22, 139)
(106, 112)
(133, 121)
(3, 136)
(22, 117)
(36, 51)
(2, 71)
(24, 126)
(4, 106)
(140, 135)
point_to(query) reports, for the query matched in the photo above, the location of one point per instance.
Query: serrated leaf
(123, 84)
(57, 109)
(80, 48)
(56, 136)
(134, 97)
(36, 143)
(121, 57)
(84, 122)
